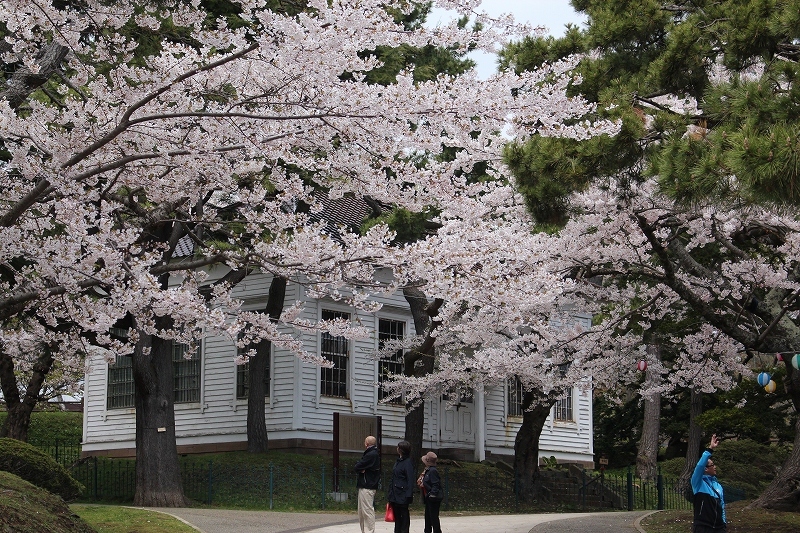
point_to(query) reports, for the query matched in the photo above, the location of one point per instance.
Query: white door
(457, 424)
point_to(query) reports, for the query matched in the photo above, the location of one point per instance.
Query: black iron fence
(292, 487)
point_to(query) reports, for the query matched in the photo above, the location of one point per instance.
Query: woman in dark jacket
(431, 486)
(401, 488)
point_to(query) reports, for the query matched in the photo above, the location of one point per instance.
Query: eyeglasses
(710, 465)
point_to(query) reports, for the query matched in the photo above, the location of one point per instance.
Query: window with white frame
(562, 410)
(120, 383)
(516, 395)
(333, 381)
(243, 376)
(186, 374)
(186, 380)
(389, 330)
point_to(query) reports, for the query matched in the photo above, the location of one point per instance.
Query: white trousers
(366, 510)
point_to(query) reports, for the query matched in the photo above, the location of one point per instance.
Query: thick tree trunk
(783, 494)
(19, 408)
(418, 363)
(695, 438)
(257, 437)
(526, 448)
(647, 453)
(158, 478)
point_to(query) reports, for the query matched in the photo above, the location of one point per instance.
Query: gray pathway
(227, 521)
(611, 522)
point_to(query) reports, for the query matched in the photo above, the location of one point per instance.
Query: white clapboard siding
(564, 440)
(114, 428)
(295, 408)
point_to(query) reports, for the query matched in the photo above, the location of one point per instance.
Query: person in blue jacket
(401, 487)
(709, 504)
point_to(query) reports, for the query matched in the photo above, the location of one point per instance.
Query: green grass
(114, 519)
(26, 507)
(740, 520)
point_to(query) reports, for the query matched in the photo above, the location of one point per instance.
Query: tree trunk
(418, 363)
(257, 437)
(695, 438)
(783, 494)
(647, 454)
(526, 448)
(18, 419)
(158, 478)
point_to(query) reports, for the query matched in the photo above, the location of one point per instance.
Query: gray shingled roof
(344, 214)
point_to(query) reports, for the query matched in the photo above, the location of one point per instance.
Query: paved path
(227, 521)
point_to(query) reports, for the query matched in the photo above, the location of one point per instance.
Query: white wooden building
(211, 399)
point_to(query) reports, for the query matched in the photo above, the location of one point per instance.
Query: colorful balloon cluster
(765, 380)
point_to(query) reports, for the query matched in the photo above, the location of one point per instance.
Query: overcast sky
(553, 14)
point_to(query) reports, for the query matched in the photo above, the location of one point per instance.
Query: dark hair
(405, 448)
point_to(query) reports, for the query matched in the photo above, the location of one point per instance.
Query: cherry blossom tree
(733, 271)
(141, 183)
(706, 93)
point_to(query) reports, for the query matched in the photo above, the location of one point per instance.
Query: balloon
(796, 361)
(779, 356)
(764, 378)
(770, 388)
(642, 365)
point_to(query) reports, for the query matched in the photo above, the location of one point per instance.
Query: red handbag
(389, 513)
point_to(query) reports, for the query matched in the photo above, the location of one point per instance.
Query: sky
(553, 14)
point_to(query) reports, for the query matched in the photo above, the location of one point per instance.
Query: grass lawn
(115, 519)
(740, 520)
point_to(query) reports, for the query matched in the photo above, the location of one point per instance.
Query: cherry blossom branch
(125, 120)
(697, 303)
(12, 216)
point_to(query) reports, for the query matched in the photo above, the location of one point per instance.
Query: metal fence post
(323, 486)
(271, 484)
(602, 486)
(643, 484)
(446, 488)
(583, 496)
(630, 489)
(94, 475)
(210, 482)
(660, 485)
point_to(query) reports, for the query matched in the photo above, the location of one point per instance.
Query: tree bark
(695, 439)
(24, 80)
(526, 448)
(418, 363)
(18, 419)
(783, 494)
(647, 454)
(257, 436)
(158, 478)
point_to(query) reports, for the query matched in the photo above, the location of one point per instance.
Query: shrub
(34, 466)
(25, 507)
(49, 427)
(744, 464)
